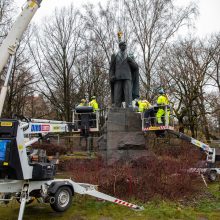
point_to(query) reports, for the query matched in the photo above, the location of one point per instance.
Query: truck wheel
(62, 199)
(212, 176)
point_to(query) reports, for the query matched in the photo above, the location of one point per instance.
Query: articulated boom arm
(39, 126)
(44, 127)
(10, 44)
(211, 153)
(193, 141)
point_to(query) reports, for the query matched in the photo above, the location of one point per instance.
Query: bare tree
(154, 23)
(101, 42)
(5, 16)
(147, 26)
(22, 81)
(5, 19)
(102, 29)
(215, 53)
(185, 66)
(91, 73)
(55, 52)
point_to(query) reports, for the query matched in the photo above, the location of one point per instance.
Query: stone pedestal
(123, 138)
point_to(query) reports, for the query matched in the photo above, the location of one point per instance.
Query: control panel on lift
(15, 161)
(10, 166)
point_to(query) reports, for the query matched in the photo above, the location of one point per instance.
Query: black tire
(62, 199)
(212, 176)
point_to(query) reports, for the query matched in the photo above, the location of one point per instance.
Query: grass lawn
(89, 208)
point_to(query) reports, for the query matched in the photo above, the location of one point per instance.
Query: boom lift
(22, 176)
(212, 154)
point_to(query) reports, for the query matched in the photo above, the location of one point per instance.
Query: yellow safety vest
(143, 105)
(163, 100)
(94, 105)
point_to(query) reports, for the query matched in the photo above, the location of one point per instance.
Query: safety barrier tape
(121, 202)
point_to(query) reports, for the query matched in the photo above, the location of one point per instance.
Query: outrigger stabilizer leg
(89, 189)
(23, 199)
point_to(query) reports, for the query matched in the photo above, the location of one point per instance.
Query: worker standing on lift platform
(162, 102)
(94, 104)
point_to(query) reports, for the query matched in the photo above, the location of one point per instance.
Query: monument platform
(123, 138)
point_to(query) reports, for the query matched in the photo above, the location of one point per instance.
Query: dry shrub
(51, 149)
(161, 176)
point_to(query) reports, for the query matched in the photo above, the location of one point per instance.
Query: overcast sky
(207, 23)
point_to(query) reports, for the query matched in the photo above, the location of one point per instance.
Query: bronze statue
(124, 77)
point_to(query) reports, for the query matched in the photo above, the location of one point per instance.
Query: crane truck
(26, 174)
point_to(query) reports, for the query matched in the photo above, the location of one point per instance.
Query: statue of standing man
(124, 78)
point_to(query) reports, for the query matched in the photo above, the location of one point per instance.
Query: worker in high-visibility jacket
(163, 104)
(94, 104)
(143, 105)
(83, 103)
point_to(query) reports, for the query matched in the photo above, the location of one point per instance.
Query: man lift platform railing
(86, 123)
(160, 116)
(150, 122)
(85, 117)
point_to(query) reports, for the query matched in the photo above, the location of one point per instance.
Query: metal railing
(93, 121)
(152, 121)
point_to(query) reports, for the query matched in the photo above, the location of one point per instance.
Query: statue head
(123, 46)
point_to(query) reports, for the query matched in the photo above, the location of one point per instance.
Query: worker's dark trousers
(150, 116)
(122, 89)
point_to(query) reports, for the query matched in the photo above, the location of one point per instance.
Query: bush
(160, 176)
(52, 149)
